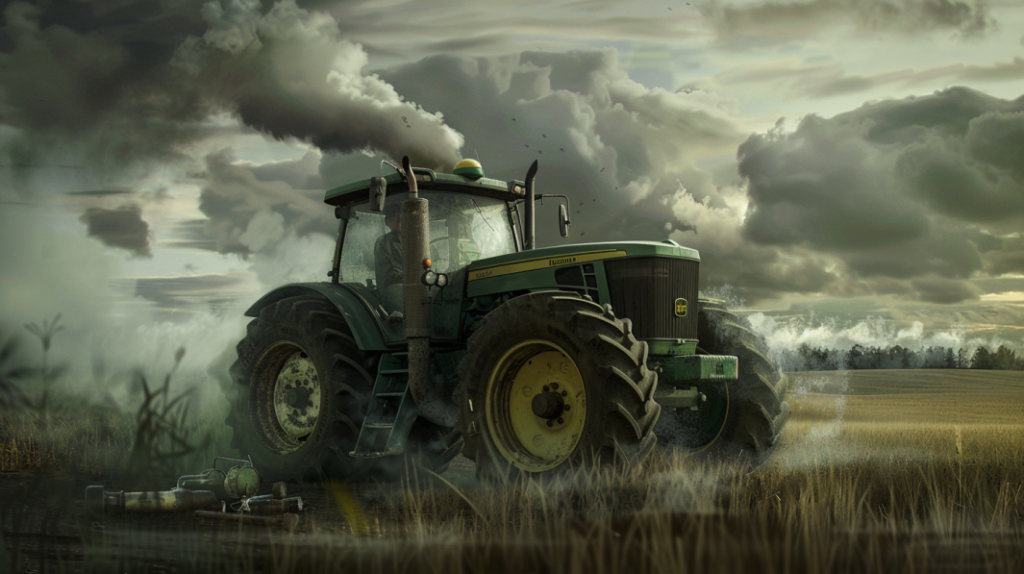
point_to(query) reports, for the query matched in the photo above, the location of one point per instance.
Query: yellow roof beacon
(469, 169)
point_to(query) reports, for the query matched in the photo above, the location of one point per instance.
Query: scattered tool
(98, 500)
(266, 505)
(287, 521)
(205, 493)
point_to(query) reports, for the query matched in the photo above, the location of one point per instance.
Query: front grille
(645, 289)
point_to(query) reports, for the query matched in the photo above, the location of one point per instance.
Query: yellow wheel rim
(536, 405)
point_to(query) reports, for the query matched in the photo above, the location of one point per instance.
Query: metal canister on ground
(236, 482)
(99, 501)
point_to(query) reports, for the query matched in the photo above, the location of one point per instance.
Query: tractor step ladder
(391, 411)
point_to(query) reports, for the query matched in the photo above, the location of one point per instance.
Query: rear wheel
(552, 381)
(297, 392)
(741, 420)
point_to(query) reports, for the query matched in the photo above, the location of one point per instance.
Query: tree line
(807, 358)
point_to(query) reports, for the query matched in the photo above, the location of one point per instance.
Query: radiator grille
(645, 289)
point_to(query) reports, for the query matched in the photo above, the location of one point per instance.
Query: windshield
(463, 228)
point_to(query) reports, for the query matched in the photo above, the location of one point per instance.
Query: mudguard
(356, 303)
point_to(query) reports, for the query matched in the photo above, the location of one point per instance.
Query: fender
(357, 304)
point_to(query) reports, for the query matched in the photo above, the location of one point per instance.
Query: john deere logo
(680, 307)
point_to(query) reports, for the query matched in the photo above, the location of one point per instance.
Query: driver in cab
(387, 258)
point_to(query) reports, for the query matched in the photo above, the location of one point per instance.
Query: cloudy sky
(857, 158)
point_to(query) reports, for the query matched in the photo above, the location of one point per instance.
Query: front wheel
(297, 392)
(742, 420)
(552, 381)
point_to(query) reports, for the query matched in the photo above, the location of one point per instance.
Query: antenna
(477, 154)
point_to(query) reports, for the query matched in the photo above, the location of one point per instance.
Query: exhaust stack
(531, 213)
(429, 398)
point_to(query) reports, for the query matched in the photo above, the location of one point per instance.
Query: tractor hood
(549, 257)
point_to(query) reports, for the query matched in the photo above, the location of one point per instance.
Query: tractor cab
(463, 228)
(470, 218)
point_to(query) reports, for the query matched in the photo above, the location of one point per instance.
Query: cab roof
(428, 179)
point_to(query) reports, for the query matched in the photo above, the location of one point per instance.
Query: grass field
(879, 471)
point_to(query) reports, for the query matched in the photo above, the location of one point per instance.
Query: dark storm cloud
(916, 190)
(944, 291)
(290, 73)
(780, 21)
(123, 228)
(61, 86)
(623, 154)
(597, 134)
(110, 84)
(1008, 259)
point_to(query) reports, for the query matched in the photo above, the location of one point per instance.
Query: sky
(163, 163)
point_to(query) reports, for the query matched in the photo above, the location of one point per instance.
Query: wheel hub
(297, 396)
(549, 405)
(536, 405)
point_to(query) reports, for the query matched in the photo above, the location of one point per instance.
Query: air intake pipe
(430, 399)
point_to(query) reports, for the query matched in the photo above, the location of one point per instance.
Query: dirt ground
(46, 529)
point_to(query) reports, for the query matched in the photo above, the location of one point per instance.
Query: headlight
(429, 278)
(442, 279)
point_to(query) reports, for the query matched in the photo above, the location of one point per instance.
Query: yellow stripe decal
(543, 263)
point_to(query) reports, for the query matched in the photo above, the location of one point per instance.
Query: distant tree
(875, 357)
(1004, 359)
(807, 358)
(962, 360)
(855, 358)
(982, 359)
(933, 357)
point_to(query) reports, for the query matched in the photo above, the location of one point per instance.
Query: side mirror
(563, 221)
(378, 192)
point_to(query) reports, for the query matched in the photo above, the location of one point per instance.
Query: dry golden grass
(91, 439)
(872, 480)
(939, 397)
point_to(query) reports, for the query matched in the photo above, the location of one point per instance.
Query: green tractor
(444, 329)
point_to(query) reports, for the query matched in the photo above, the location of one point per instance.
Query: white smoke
(835, 335)
(109, 332)
(281, 255)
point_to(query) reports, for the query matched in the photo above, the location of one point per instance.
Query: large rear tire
(297, 395)
(553, 381)
(746, 415)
